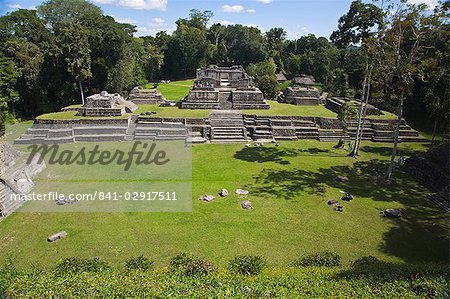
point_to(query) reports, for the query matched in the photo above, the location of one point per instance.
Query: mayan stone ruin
(106, 105)
(302, 92)
(15, 176)
(224, 88)
(335, 103)
(141, 96)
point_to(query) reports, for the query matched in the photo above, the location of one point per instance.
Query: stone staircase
(383, 131)
(129, 135)
(224, 82)
(148, 128)
(329, 135)
(7, 206)
(227, 126)
(225, 102)
(305, 129)
(99, 133)
(367, 129)
(283, 129)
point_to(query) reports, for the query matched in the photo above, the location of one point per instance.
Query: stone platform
(106, 105)
(229, 124)
(141, 96)
(297, 95)
(224, 88)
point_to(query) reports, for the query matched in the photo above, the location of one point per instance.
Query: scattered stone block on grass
(246, 205)
(347, 197)
(241, 192)
(339, 208)
(392, 213)
(57, 236)
(207, 198)
(341, 178)
(332, 202)
(223, 192)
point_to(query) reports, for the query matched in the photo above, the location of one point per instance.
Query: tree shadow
(265, 154)
(275, 154)
(420, 235)
(387, 151)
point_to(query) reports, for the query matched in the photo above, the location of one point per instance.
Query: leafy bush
(411, 281)
(198, 267)
(79, 265)
(321, 259)
(247, 264)
(180, 261)
(366, 260)
(190, 265)
(138, 263)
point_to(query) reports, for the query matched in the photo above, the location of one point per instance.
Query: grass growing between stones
(289, 187)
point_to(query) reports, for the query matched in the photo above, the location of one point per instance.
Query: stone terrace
(220, 126)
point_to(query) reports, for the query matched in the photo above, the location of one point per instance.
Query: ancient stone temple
(304, 80)
(301, 95)
(139, 95)
(302, 92)
(16, 175)
(224, 88)
(106, 105)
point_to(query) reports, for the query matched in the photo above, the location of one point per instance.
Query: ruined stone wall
(432, 167)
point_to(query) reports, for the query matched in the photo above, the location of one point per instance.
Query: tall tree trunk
(80, 85)
(361, 106)
(363, 121)
(396, 137)
(434, 131)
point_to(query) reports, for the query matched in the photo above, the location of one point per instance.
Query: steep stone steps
(227, 126)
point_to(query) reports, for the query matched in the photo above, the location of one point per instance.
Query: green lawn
(289, 187)
(174, 91)
(65, 115)
(293, 110)
(173, 111)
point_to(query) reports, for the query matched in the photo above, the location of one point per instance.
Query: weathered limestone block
(57, 236)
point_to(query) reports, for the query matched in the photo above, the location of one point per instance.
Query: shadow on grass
(265, 154)
(274, 154)
(387, 151)
(421, 235)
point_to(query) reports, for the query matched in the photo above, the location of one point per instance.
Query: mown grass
(174, 91)
(293, 110)
(173, 111)
(289, 186)
(70, 115)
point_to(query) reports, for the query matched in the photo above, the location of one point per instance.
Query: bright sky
(297, 17)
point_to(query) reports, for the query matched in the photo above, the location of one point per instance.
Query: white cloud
(431, 3)
(137, 4)
(157, 22)
(124, 20)
(15, 6)
(236, 9)
(104, 1)
(154, 26)
(18, 6)
(299, 32)
(265, 1)
(226, 23)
